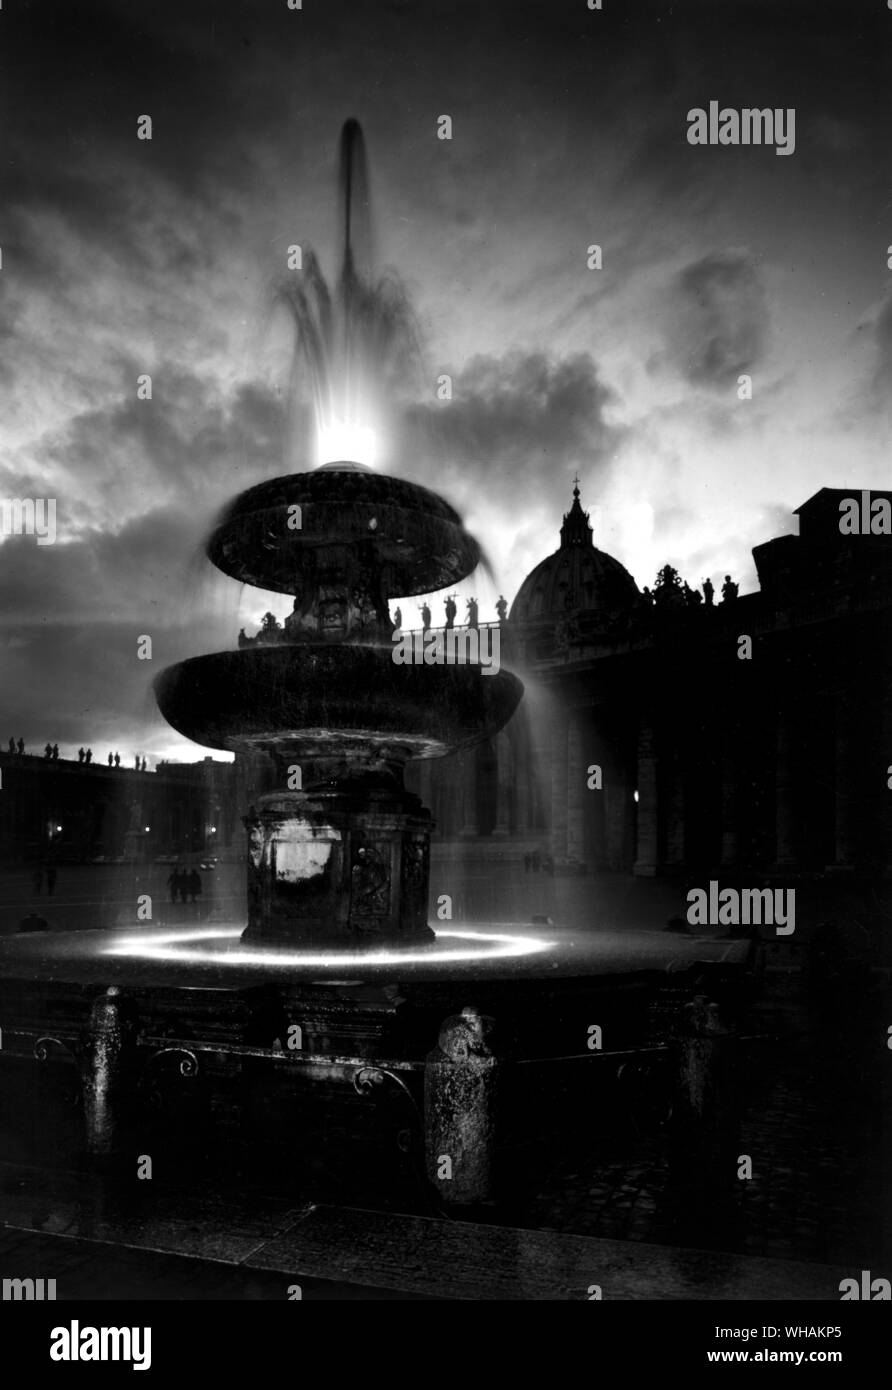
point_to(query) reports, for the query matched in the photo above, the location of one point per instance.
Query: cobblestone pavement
(816, 1125)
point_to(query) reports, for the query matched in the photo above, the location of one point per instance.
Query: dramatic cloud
(718, 319)
(124, 257)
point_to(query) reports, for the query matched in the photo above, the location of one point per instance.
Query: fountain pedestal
(343, 866)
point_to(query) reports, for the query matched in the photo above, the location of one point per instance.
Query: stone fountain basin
(333, 699)
(398, 526)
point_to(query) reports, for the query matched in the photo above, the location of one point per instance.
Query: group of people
(451, 612)
(537, 862)
(84, 755)
(184, 884)
(51, 874)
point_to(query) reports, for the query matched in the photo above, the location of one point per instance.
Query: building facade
(76, 812)
(665, 732)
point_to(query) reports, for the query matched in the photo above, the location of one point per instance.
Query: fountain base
(344, 866)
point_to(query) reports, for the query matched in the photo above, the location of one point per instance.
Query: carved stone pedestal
(345, 864)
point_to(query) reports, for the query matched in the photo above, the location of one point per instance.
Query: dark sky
(123, 257)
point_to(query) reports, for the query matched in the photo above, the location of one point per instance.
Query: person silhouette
(451, 611)
(80, 755)
(425, 618)
(110, 759)
(48, 750)
(473, 611)
(397, 619)
(88, 758)
(33, 922)
(117, 760)
(729, 589)
(55, 752)
(708, 592)
(12, 745)
(502, 608)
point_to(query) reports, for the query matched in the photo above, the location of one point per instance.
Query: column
(646, 857)
(461, 1077)
(505, 779)
(522, 774)
(845, 784)
(730, 797)
(784, 806)
(469, 828)
(107, 1078)
(577, 789)
(558, 837)
(673, 763)
(616, 793)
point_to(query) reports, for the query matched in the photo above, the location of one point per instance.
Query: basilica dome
(578, 580)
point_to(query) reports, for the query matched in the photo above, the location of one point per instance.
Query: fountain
(337, 983)
(339, 855)
(343, 860)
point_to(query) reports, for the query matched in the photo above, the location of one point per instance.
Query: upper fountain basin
(330, 698)
(270, 534)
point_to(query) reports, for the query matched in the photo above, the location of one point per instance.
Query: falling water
(357, 343)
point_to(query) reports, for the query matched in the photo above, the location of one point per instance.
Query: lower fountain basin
(333, 699)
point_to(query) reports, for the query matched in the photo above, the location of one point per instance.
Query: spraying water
(357, 342)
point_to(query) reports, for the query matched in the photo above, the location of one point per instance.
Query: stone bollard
(460, 1095)
(106, 1070)
(704, 1131)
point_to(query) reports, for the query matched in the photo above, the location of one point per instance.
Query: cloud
(141, 482)
(515, 424)
(882, 333)
(717, 320)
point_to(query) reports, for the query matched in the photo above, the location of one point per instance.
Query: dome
(578, 579)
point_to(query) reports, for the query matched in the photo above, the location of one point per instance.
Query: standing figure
(80, 755)
(117, 760)
(12, 745)
(502, 608)
(425, 617)
(729, 589)
(34, 922)
(451, 611)
(55, 752)
(110, 759)
(21, 746)
(473, 612)
(173, 883)
(48, 750)
(397, 620)
(88, 758)
(708, 592)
